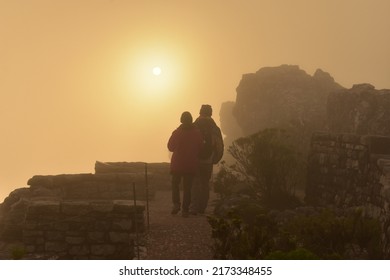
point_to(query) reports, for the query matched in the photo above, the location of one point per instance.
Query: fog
(76, 80)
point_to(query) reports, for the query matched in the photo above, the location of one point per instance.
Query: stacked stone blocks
(82, 229)
(81, 216)
(351, 171)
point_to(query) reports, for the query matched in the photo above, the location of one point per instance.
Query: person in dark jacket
(201, 188)
(185, 143)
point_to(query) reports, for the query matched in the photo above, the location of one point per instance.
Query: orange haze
(76, 79)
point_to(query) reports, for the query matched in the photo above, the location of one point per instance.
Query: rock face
(229, 124)
(348, 164)
(283, 97)
(287, 97)
(361, 110)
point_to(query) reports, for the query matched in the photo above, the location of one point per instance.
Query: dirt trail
(172, 237)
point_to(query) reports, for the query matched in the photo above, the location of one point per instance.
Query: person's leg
(203, 197)
(195, 195)
(204, 188)
(187, 183)
(176, 193)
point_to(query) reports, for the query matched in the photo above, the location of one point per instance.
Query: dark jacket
(206, 125)
(185, 143)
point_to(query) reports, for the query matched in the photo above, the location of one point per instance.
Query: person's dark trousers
(187, 183)
(201, 188)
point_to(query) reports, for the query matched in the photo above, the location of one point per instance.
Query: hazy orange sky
(76, 79)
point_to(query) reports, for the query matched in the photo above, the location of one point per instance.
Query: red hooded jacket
(185, 143)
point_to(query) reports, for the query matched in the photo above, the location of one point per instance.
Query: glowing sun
(156, 71)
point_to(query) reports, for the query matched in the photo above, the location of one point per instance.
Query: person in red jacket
(185, 143)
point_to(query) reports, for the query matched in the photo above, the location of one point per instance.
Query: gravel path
(172, 237)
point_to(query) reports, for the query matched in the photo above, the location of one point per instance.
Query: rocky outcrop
(283, 97)
(287, 97)
(229, 125)
(362, 110)
(348, 164)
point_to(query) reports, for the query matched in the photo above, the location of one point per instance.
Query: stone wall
(159, 176)
(82, 229)
(347, 170)
(90, 186)
(82, 216)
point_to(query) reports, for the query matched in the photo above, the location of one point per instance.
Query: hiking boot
(175, 210)
(185, 214)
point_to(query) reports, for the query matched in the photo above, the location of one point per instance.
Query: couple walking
(196, 146)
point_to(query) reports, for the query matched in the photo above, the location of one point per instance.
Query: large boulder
(360, 110)
(283, 97)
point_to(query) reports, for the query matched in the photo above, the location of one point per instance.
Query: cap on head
(186, 118)
(206, 111)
